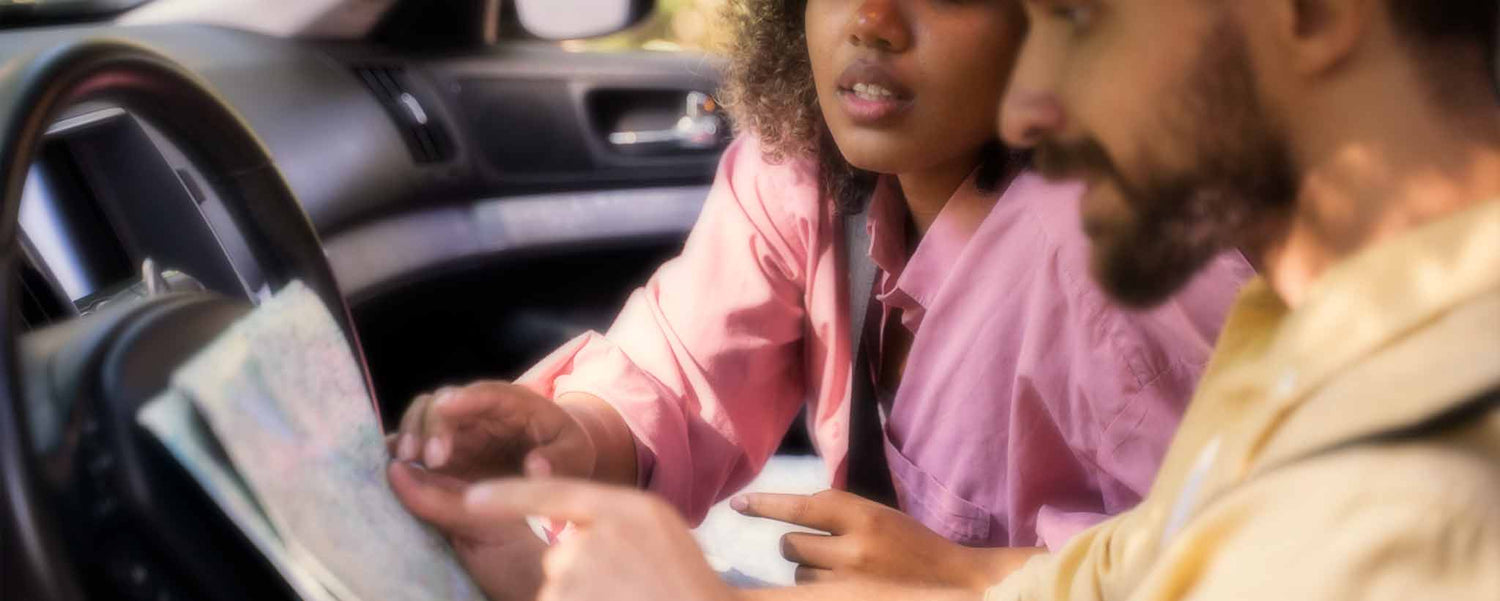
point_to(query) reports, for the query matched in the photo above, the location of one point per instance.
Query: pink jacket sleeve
(705, 361)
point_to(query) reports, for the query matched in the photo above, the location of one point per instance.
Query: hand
(867, 539)
(629, 546)
(503, 556)
(489, 429)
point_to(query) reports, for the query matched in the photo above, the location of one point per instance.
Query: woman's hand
(627, 546)
(489, 429)
(867, 539)
(457, 436)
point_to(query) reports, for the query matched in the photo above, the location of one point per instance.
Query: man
(1345, 441)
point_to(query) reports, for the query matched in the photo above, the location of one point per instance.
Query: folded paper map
(292, 452)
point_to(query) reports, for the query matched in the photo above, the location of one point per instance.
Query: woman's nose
(879, 25)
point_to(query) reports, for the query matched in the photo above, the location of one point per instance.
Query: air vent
(41, 304)
(425, 136)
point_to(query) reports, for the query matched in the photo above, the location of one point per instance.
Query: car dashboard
(108, 193)
(422, 168)
(478, 207)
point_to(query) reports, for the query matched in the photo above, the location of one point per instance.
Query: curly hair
(769, 90)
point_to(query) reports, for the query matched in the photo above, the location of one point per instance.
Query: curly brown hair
(768, 88)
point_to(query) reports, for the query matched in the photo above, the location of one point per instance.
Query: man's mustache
(1072, 160)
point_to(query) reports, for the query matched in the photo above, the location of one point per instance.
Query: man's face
(1155, 106)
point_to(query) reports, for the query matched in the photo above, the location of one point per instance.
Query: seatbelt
(868, 475)
(1454, 418)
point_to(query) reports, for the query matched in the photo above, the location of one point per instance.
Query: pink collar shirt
(1030, 406)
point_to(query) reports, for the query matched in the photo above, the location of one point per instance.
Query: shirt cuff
(1054, 528)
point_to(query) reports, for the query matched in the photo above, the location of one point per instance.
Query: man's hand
(628, 546)
(489, 429)
(502, 556)
(867, 539)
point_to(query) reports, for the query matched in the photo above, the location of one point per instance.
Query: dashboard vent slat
(41, 304)
(425, 136)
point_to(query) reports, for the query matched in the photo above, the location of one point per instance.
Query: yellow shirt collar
(1367, 302)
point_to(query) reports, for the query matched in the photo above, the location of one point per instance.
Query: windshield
(22, 12)
(77, 5)
(675, 25)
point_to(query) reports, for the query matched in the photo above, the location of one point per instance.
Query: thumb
(452, 409)
(559, 455)
(430, 497)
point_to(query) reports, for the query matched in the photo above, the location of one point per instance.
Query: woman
(1020, 405)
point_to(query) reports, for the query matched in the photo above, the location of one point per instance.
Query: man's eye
(1079, 17)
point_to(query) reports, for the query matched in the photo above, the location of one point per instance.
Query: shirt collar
(912, 284)
(886, 221)
(1367, 302)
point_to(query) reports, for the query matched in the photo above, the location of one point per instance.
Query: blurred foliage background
(693, 25)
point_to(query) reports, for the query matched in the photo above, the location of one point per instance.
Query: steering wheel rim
(34, 90)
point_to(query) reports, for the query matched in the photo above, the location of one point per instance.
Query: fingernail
(443, 396)
(537, 466)
(739, 503)
(406, 450)
(437, 452)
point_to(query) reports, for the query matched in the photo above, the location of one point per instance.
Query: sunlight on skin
(1343, 206)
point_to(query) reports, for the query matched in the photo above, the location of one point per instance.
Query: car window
(675, 26)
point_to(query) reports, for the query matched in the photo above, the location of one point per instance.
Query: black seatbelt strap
(1458, 416)
(868, 474)
(1454, 418)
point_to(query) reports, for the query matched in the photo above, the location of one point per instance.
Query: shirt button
(1285, 385)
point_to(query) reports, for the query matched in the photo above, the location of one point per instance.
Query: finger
(409, 445)
(392, 442)
(482, 398)
(559, 455)
(513, 421)
(453, 409)
(810, 575)
(813, 550)
(577, 501)
(812, 511)
(432, 498)
(437, 430)
(538, 465)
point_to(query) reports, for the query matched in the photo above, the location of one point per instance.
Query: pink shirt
(1029, 408)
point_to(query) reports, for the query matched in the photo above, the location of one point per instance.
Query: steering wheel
(159, 537)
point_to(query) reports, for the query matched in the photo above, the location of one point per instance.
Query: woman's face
(909, 85)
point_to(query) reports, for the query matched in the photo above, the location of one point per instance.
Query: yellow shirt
(1272, 490)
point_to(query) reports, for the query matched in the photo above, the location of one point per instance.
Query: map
(293, 453)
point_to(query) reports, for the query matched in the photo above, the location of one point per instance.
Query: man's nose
(1031, 110)
(1029, 116)
(880, 25)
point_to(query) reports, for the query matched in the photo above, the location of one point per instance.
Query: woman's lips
(871, 94)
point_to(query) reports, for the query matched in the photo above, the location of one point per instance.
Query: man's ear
(1320, 35)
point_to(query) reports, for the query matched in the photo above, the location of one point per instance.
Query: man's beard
(1240, 185)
